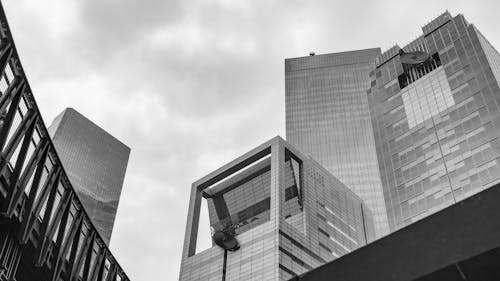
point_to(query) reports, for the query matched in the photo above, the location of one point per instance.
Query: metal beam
(14, 95)
(7, 95)
(5, 56)
(46, 237)
(9, 206)
(88, 257)
(18, 190)
(63, 246)
(76, 267)
(22, 130)
(10, 255)
(31, 214)
(36, 159)
(113, 270)
(99, 265)
(221, 209)
(52, 190)
(74, 247)
(27, 210)
(60, 234)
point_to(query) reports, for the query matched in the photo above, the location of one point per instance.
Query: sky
(191, 85)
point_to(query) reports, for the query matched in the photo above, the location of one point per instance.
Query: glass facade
(307, 219)
(95, 163)
(427, 97)
(436, 125)
(327, 117)
(491, 53)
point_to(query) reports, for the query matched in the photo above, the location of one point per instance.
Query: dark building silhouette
(45, 232)
(95, 162)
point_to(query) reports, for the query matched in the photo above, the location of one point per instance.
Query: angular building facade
(327, 117)
(45, 232)
(95, 162)
(435, 109)
(286, 213)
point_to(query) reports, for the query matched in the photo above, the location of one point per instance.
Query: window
(427, 97)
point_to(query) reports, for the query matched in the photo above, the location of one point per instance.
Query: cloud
(190, 85)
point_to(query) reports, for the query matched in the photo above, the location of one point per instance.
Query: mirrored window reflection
(327, 117)
(427, 97)
(449, 149)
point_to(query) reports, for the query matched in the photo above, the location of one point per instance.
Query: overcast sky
(190, 85)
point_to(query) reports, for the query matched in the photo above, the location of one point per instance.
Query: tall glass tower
(327, 117)
(435, 106)
(95, 162)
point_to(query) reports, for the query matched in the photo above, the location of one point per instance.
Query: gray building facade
(327, 117)
(95, 162)
(288, 213)
(436, 123)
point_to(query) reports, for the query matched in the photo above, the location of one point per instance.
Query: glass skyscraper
(327, 117)
(436, 121)
(95, 162)
(287, 213)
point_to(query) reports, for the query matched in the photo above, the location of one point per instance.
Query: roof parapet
(417, 44)
(437, 22)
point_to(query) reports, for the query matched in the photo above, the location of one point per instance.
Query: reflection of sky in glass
(327, 116)
(427, 97)
(95, 163)
(438, 137)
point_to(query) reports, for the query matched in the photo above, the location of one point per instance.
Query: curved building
(46, 233)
